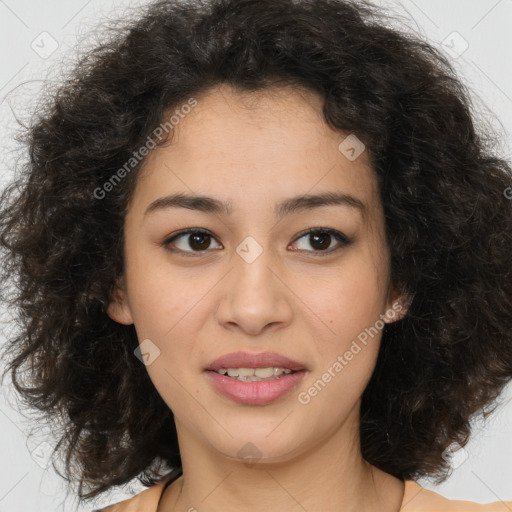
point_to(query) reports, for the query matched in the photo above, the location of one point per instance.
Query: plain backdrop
(38, 38)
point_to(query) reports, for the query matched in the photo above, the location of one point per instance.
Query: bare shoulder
(419, 499)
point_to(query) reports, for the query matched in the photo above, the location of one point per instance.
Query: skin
(255, 150)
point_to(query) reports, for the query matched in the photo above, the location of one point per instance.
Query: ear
(397, 306)
(118, 308)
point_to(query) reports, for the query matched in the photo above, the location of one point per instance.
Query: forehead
(257, 145)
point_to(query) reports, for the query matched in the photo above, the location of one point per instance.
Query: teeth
(254, 374)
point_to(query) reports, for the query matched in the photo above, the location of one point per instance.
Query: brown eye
(323, 240)
(192, 240)
(320, 240)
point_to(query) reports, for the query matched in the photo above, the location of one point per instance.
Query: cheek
(164, 314)
(158, 297)
(351, 305)
(351, 299)
(168, 308)
(155, 308)
(348, 353)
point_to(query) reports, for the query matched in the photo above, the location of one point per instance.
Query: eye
(198, 240)
(322, 238)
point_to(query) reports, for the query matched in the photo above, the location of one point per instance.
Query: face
(249, 278)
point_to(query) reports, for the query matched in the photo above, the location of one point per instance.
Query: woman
(261, 243)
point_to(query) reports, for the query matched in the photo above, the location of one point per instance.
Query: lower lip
(255, 392)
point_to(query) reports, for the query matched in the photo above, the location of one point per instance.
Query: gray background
(476, 35)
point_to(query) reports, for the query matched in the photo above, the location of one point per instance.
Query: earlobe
(118, 308)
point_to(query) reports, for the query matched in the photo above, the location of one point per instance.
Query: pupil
(323, 238)
(200, 236)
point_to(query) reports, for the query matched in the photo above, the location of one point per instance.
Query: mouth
(255, 379)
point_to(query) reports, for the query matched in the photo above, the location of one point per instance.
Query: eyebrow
(288, 206)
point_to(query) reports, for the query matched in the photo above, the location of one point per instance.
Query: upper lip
(251, 360)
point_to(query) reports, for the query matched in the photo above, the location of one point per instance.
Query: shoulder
(146, 500)
(419, 499)
(416, 499)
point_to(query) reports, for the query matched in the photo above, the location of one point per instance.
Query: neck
(332, 475)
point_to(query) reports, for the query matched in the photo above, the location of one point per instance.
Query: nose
(255, 296)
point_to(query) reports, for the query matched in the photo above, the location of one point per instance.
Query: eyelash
(337, 235)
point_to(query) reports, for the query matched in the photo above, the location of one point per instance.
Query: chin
(261, 445)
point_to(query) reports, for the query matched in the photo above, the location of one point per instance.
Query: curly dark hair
(442, 186)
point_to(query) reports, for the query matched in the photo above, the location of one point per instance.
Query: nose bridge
(252, 274)
(255, 297)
